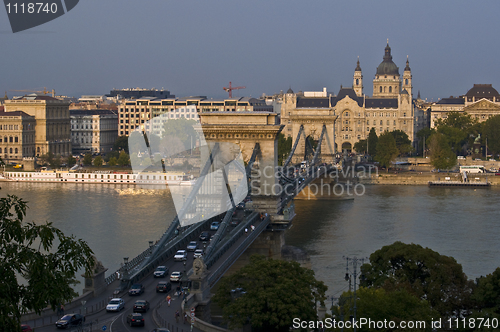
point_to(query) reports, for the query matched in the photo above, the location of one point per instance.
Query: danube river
(459, 222)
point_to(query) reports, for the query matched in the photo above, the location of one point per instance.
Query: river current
(459, 222)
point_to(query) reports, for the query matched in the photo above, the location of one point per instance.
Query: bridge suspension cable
(318, 148)
(294, 147)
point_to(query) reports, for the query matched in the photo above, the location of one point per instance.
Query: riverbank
(423, 178)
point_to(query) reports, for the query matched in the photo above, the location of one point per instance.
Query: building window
(394, 122)
(357, 81)
(390, 89)
(16, 140)
(11, 140)
(380, 89)
(381, 122)
(406, 81)
(367, 122)
(16, 150)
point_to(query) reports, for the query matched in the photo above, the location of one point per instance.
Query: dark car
(163, 287)
(135, 319)
(26, 328)
(141, 306)
(136, 289)
(160, 272)
(204, 236)
(234, 222)
(70, 320)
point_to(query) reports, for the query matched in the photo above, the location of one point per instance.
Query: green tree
(459, 129)
(423, 272)
(182, 129)
(70, 161)
(442, 157)
(360, 146)
(56, 162)
(424, 134)
(41, 254)
(403, 143)
(124, 159)
(490, 130)
(387, 150)
(372, 142)
(98, 161)
(121, 143)
(48, 158)
(111, 154)
(284, 148)
(87, 160)
(112, 161)
(378, 304)
(276, 291)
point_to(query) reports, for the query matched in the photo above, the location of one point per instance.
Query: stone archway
(313, 120)
(347, 146)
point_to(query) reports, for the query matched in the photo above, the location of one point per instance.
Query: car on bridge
(135, 319)
(204, 236)
(234, 222)
(70, 320)
(198, 253)
(214, 226)
(180, 255)
(176, 276)
(160, 272)
(115, 304)
(192, 246)
(163, 287)
(136, 289)
(141, 306)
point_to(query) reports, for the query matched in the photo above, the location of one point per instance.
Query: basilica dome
(387, 67)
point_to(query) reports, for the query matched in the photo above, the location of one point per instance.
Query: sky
(195, 47)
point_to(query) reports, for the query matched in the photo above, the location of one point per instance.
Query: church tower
(407, 78)
(357, 82)
(387, 83)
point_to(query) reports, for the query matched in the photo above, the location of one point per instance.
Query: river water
(459, 222)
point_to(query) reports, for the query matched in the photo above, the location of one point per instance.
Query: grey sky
(197, 47)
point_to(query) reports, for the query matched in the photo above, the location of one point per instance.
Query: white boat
(104, 177)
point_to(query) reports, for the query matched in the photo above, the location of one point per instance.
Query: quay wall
(410, 178)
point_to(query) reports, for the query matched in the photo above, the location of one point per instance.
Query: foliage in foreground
(273, 292)
(41, 254)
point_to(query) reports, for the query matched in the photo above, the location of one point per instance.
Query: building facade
(52, 129)
(390, 108)
(17, 136)
(93, 131)
(137, 112)
(482, 101)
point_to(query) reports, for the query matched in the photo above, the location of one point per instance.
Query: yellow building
(17, 136)
(52, 129)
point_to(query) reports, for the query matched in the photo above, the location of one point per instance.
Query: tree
(403, 143)
(424, 134)
(48, 158)
(124, 159)
(284, 148)
(422, 272)
(121, 143)
(112, 161)
(273, 292)
(41, 254)
(490, 130)
(56, 162)
(87, 160)
(459, 129)
(360, 146)
(442, 157)
(387, 150)
(98, 161)
(372, 142)
(70, 161)
(182, 129)
(378, 304)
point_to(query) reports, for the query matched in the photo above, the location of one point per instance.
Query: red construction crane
(231, 88)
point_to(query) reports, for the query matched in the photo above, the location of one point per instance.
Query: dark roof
(347, 92)
(358, 68)
(387, 67)
(313, 102)
(289, 90)
(407, 68)
(381, 103)
(14, 113)
(482, 91)
(452, 100)
(92, 112)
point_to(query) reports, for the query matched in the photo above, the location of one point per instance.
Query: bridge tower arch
(311, 122)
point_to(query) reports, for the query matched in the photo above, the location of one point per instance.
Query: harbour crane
(45, 91)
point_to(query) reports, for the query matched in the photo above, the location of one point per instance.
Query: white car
(198, 253)
(115, 304)
(180, 255)
(175, 276)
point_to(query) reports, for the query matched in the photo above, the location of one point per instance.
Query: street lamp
(151, 247)
(354, 262)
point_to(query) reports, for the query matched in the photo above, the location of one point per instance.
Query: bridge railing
(217, 274)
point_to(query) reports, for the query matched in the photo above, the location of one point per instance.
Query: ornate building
(482, 101)
(93, 131)
(390, 108)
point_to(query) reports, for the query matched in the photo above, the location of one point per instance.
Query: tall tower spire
(357, 81)
(407, 77)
